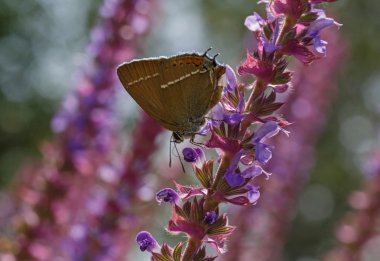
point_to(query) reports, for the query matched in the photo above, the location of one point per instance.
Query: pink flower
(263, 70)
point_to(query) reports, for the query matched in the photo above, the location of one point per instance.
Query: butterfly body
(176, 91)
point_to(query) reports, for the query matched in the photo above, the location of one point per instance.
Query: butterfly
(176, 91)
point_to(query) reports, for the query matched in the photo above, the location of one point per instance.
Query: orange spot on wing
(197, 61)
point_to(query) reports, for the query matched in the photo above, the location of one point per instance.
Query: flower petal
(233, 119)
(146, 241)
(320, 24)
(253, 194)
(210, 217)
(192, 154)
(263, 153)
(167, 195)
(234, 179)
(319, 45)
(252, 172)
(231, 79)
(266, 131)
(254, 22)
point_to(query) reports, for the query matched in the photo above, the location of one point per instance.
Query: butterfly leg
(202, 145)
(174, 141)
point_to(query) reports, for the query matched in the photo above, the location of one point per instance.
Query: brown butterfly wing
(175, 91)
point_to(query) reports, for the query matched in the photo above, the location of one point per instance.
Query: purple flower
(319, 45)
(210, 217)
(233, 119)
(254, 22)
(167, 195)
(315, 28)
(237, 115)
(271, 46)
(217, 114)
(268, 130)
(253, 194)
(231, 80)
(254, 171)
(263, 152)
(234, 179)
(299, 51)
(192, 154)
(146, 241)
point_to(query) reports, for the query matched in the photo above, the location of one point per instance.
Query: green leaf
(165, 250)
(236, 191)
(159, 257)
(200, 255)
(210, 258)
(308, 17)
(187, 208)
(220, 222)
(194, 214)
(226, 230)
(283, 78)
(177, 252)
(209, 170)
(271, 97)
(203, 178)
(181, 212)
(269, 108)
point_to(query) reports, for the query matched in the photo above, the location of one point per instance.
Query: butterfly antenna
(209, 118)
(183, 167)
(213, 58)
(205, 53)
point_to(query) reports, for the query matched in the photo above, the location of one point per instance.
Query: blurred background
(43, 46)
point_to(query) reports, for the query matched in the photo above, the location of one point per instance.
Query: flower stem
(225, 162)
(258, 89)
(191, 249)
(289, 23)
(211, 200)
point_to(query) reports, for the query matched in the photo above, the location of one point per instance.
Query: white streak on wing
(163, 86)
(143, 79)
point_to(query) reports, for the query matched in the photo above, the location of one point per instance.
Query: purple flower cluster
(240, 128)
(74, 216)
(306, 106)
